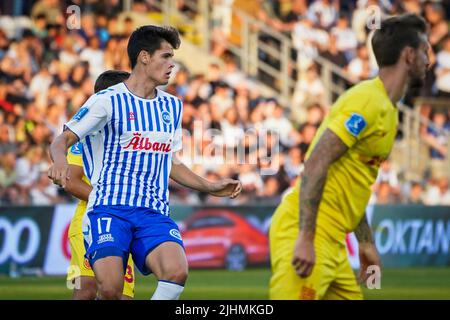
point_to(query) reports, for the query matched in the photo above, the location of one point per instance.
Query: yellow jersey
(75, 157)
(365, 119)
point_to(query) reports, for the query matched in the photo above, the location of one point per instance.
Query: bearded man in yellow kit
(307, 234)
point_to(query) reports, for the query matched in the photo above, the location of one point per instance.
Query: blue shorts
(120, 230)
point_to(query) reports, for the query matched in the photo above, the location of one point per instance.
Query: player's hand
(368, 256)
(226, 188)
(304, 257)
(59, 174)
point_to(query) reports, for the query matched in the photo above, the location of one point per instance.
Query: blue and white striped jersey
(128, 143)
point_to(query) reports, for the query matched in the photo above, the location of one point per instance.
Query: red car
(220, 238)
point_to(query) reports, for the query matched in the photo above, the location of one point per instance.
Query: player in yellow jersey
(79, 186)
(307, 234)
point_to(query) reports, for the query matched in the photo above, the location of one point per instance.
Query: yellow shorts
(332, 276)
(79, 265)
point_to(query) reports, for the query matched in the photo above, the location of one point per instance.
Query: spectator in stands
(308, 90)
(324, 13)
(297, 12)
(270, 193)
(232, 129)
(40, 26)
(44, 193)
(435, 16)
(438, 192)
(7, 139)
(181, 83)
(38, 89)
(443, 69)
(28, 168)
(346, 40)
(221, 25)
(306, 39)
(384, 194)
(411, 6)
(387, 173)
(232, 75)
(8, 176)
(276, 120)
(437, 135)
(331, 52)
(293, 164)
(359, 68)
(94, 56)
(222, 98)
(307, 132)
(315, 114)
(50, 8)
(415, 195)
(252, 183)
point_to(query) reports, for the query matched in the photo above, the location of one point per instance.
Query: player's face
(161, 64)
(421, 63)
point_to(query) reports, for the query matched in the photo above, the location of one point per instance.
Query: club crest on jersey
(175, 233)
(76, 148)
(131, 116)
(139, 142)
(166, 117)
(355, 124)
(80, 114)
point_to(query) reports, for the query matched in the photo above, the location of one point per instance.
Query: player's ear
(144, 57)
(409, 54)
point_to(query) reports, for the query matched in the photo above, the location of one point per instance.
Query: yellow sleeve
(354, 119)
(75, 155)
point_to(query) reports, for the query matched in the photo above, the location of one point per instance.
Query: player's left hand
(226, 188)
(368, 256)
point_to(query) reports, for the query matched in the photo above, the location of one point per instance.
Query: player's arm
(75, 185)
(368, 254)
(59, 170)
(328, 149)
(89, 118)
(186, 177)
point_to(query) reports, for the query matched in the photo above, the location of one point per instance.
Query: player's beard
(416, 80)
(414, 86)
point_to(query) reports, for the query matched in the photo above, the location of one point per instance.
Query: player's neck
(394, 81)
(141, 86)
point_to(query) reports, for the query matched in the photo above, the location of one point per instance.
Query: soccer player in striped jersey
(80, 271)
(131, 132)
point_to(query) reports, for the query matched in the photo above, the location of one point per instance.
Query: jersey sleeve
(75, 155)
(91, 117)
(355, 119)
(178, 134)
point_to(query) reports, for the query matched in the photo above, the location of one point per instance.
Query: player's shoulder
(110, 91)
(103, 97)
(165, 95)
(370, 91)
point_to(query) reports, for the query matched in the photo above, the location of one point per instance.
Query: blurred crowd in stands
(47, 71)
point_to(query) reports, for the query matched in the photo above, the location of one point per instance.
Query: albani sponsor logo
(141, 143)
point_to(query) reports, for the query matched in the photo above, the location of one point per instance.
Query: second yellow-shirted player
(308, 229)
(79, 186)
(79, 264)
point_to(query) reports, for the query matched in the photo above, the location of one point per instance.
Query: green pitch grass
(417, 283)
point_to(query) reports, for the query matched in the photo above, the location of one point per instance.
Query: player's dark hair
(110, 78)
(149, 38)
(395, 34)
